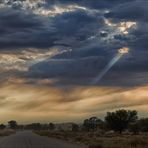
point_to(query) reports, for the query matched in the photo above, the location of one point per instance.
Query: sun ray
(121, 52)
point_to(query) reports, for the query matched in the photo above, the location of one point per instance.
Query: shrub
(137, 141)
(95, 145)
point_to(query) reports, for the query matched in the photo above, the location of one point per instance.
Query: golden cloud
(22, 60)
(27, 103)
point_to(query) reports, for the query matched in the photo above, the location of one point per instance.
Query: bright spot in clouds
(36, 6)
(109, 23)
(123, 27)
(26, 58)
(57, 10)
(123, 50)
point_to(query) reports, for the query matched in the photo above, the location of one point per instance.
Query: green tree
(86, 125)
(51, 126)
(12, 124)
(143, 124)
(2, 126)
(45, 126)
(75, 127)
(36, 126)
(92, 124)
(134, 128)
(120, 119)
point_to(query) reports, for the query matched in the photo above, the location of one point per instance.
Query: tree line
(118, 121)
(33, 126)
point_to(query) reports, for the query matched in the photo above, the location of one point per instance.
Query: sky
(52, 50)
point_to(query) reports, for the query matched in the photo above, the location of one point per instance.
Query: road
(27, 139)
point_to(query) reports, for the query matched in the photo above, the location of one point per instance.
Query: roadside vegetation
(6, 132)
(119, 129)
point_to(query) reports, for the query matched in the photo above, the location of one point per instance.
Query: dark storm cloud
(132, 69)
(83, 29)
(133, 11)
(27, 29)
(19, 30)
(95, 4)
(65, 68)
(77, 24)
(137, 38)
(77, 64)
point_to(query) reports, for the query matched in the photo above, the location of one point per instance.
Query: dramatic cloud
(74, 104)
(47, 46)
(91, 32)
(24, 30)
(88, 28)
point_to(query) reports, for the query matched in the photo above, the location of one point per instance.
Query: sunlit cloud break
(121, 52)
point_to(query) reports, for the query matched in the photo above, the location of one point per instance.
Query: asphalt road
(27, 139)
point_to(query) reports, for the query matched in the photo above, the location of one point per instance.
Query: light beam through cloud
(120, 53)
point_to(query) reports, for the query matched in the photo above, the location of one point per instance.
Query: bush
(137, 141)
(95, 145)
(6, 132)
(134, 128)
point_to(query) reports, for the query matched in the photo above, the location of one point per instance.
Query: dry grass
(6, 132)
(95, 140)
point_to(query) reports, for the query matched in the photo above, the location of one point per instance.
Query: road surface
(27, 139)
